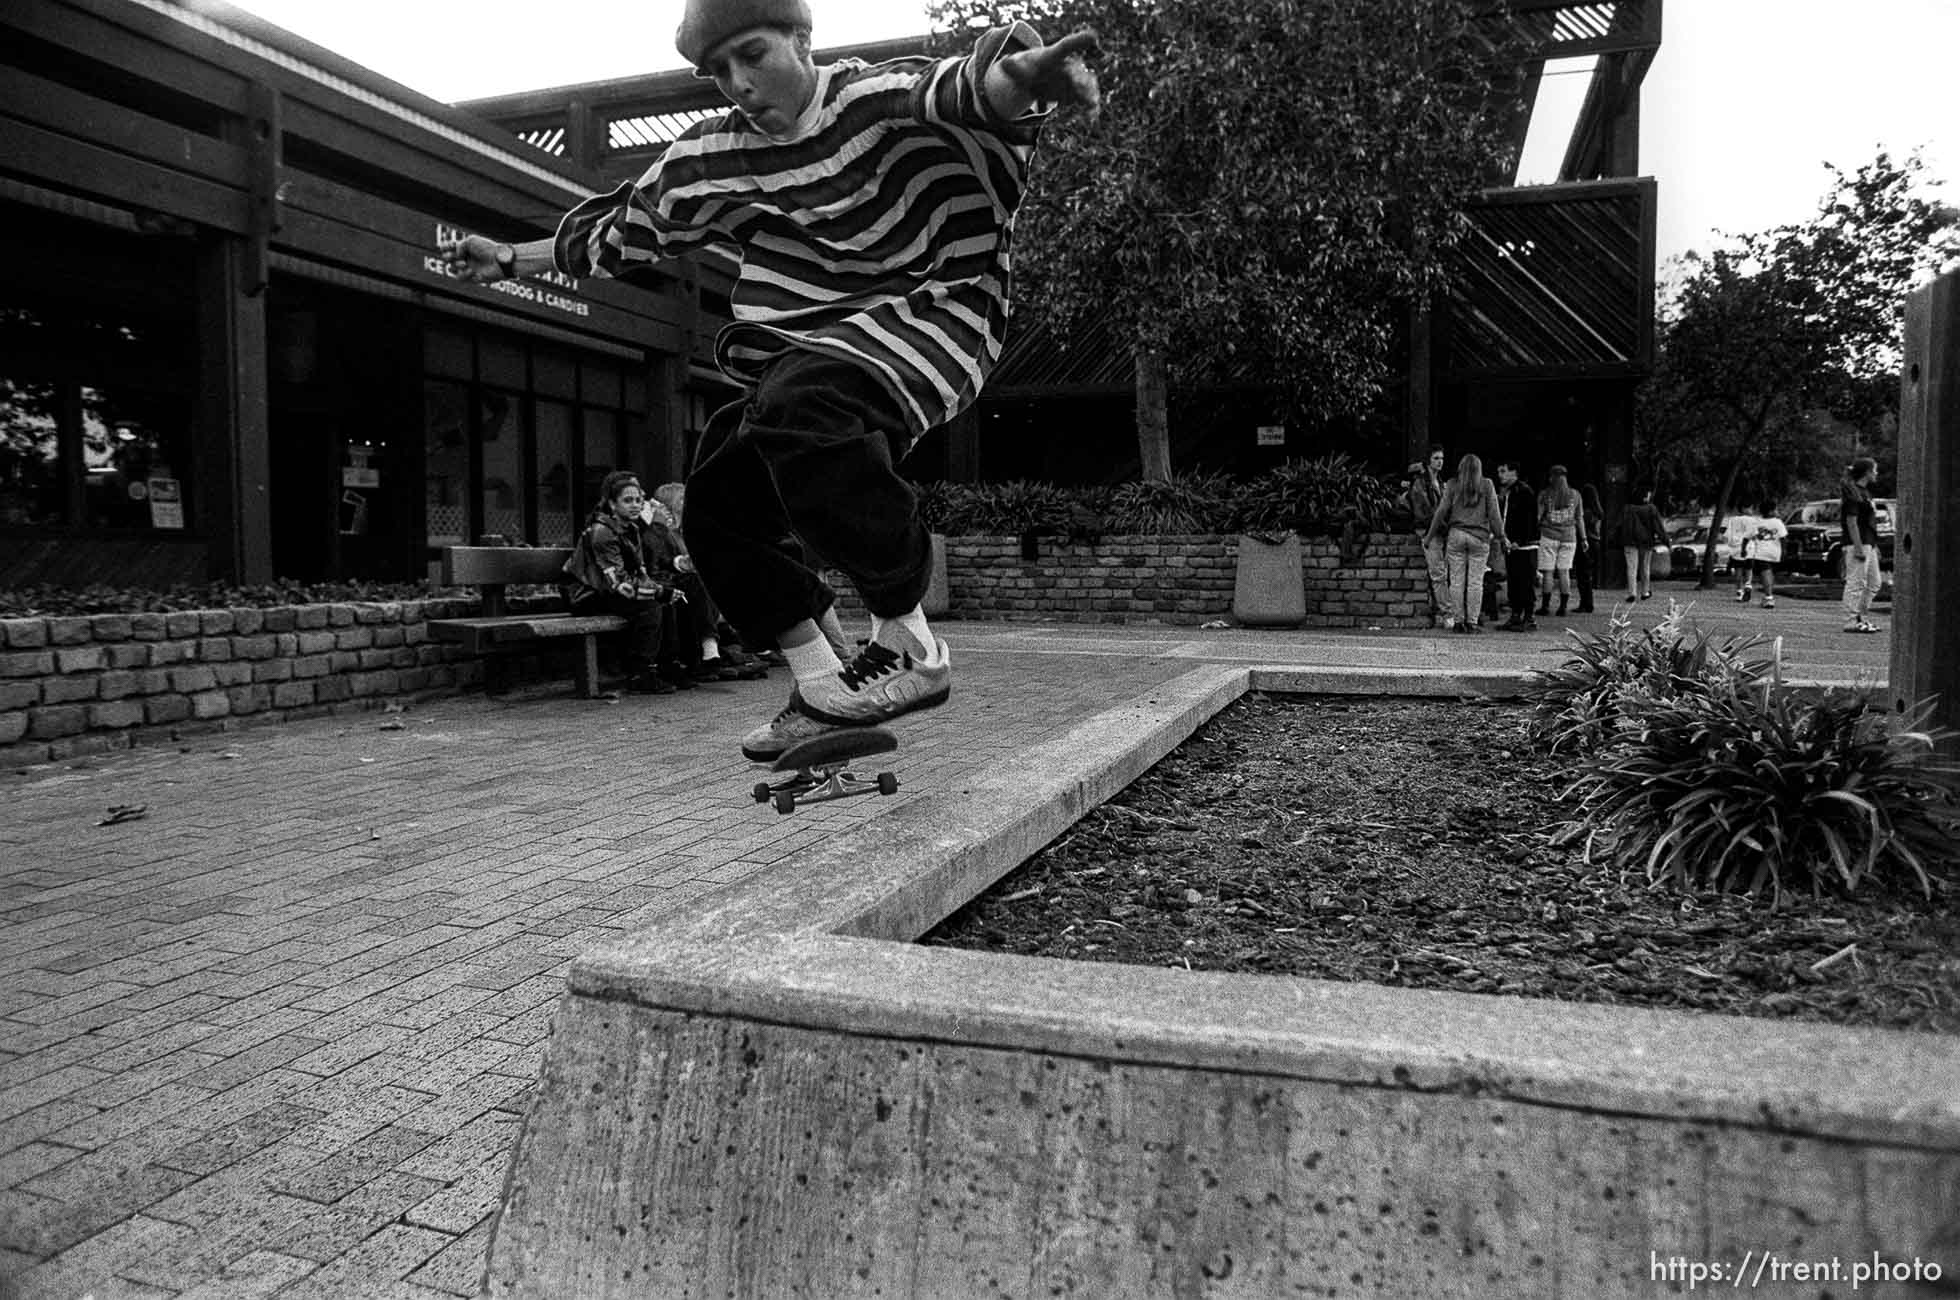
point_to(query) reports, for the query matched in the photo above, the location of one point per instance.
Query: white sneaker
(879, 684)
(792, 726)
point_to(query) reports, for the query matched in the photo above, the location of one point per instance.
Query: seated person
(699, 627)
(607, 572)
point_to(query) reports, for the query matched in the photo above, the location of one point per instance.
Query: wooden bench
(493, 569)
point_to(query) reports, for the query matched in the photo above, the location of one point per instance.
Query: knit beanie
(707, 23)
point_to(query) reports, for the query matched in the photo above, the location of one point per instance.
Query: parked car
(1816, 540)
(1687, 544)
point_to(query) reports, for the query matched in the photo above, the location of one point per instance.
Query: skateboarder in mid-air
(872, 208)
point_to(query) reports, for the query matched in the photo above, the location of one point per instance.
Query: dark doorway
(345, 373)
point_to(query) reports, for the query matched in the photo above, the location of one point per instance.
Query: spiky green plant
(1766, 788)
(1613, 674)
(1189, 503)
(1318, 497)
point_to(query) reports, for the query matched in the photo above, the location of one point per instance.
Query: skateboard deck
(819, 769)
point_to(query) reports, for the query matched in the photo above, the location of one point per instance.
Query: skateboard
(820, 769)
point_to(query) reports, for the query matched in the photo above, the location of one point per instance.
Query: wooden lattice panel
(1555, 284)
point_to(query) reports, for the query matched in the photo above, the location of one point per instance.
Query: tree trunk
(1720, 514)
(1153, 415)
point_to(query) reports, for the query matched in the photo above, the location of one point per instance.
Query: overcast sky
(1745, 103)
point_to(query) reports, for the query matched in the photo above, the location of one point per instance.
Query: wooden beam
(47, 157)
(133, 54)
(1532, 195)
(77, 115)
(310, 75)
(1605, 371)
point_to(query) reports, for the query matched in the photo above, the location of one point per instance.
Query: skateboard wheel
(887, 783)
(762, 792)
(785, 803)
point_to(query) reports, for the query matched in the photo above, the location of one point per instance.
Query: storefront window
(601, 429)
(30, 453)
(446, 463)
(502, 434)
(134, 445)
(556, 506)
(518, 463)
(95, 418)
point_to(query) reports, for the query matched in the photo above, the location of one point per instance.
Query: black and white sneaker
(880, 684)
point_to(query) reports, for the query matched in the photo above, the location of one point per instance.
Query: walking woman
(1561, 534)
(1641, 529)
(1859, 524)
(1467, 521)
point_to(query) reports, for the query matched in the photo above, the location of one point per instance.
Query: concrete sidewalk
(276, 1036)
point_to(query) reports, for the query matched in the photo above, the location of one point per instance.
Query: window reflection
(133, 445)
(446, 463)
(503, 465)
(30, 453)
(555, 505)
(523, 466)
(95, 415)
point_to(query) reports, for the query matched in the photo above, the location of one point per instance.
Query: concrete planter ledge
(781, 1094)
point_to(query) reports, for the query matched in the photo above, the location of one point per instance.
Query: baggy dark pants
(811, 453)
(1521, 569)
(646, 625)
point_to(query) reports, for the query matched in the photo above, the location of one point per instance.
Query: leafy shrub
(1332, 496)
(1022, 506)
(44, 600)
(1741, 789)
(1193, 503)
(1612, 675)
(1323, 497)
(942, 505)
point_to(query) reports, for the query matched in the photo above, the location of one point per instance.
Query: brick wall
(91, 683)
(1175, 580)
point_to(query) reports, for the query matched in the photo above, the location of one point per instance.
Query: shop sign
(357, 472)
(541, 288)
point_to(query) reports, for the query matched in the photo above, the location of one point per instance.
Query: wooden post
(963, 446)
(1421, 394)
(231, 421)
(1926, 564)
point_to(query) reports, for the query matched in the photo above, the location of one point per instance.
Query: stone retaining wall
(91, 683)
(1183, 580)
(774, 1091)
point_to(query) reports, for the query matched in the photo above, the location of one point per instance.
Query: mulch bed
(1409, 843)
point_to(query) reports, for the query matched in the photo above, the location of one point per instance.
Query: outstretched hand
(471, 257)
(1058, 73)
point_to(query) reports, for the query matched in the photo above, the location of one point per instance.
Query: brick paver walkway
(276, 1036)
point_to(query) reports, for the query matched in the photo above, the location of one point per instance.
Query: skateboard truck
(820, 769)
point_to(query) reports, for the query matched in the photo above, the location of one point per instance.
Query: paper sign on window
(166, 503)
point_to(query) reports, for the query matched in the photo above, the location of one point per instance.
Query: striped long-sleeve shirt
(880, 233)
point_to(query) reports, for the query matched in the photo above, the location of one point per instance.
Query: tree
(1774, 344)
(1271, 183)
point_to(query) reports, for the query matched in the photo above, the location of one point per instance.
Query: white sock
(710, 647)
(812, 661)
(915, 627)
(831, 628)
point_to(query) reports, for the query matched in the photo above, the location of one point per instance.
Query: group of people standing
(1548, 543)
(1545, 543)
